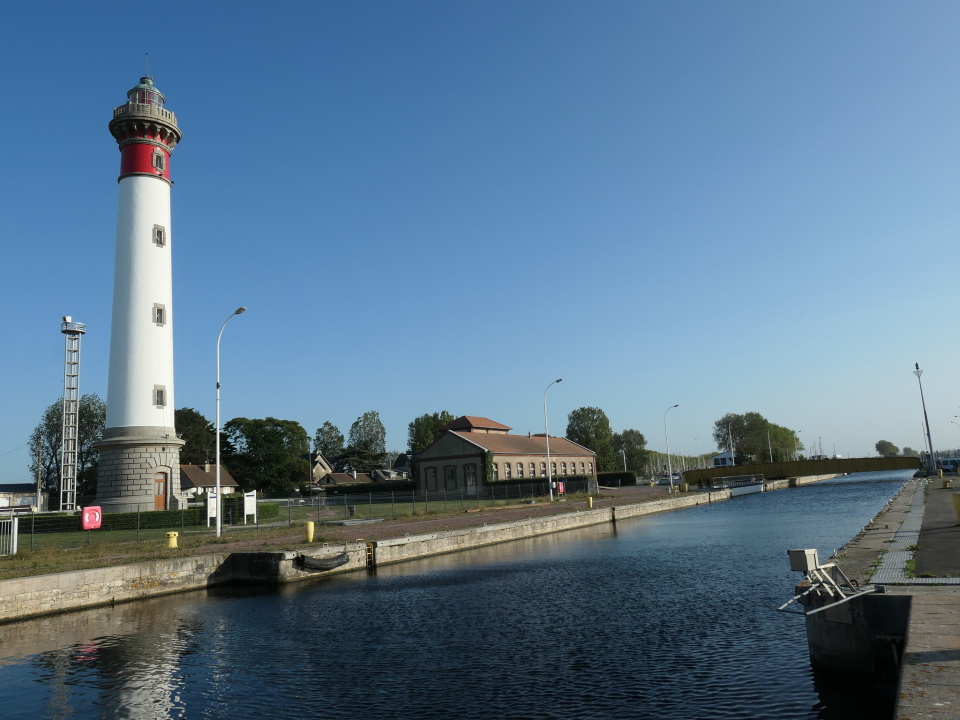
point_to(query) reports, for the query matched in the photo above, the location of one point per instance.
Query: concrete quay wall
(412, 547)
(22, 598)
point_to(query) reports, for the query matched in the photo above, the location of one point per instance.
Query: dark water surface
(666, 617)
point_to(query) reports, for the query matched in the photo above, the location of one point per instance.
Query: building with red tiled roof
(471, 423)
(475, 452)
(198, 479)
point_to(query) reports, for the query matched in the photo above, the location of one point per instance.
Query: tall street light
(546, 431)
(733, 454)
(667, 436)
(238, 311)
(918, 372)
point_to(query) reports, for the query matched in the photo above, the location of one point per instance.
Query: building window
(470, 474)
(160, 315)
(496, 472)
(519, 470)
(431, 478)
(553, 469)
(159, 235)
(563, 470)
(506, 471)
(590, 468)
(543, 469)
(160, 396)
(533, 470)
(581, 469)
(158, 161)
(450, 477)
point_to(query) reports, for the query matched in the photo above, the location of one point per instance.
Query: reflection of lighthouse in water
(140, 453)
(129, 657)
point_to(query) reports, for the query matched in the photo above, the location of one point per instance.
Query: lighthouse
(140, 453)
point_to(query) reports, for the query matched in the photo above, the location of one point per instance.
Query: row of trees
(268, 454)
(885, 448)
(271, 455)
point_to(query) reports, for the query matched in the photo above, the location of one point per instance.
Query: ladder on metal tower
(71, 412)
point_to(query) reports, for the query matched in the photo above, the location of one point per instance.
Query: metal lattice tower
(71, 411)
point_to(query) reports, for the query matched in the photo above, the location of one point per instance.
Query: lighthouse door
(160, 491)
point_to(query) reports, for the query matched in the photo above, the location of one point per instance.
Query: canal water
(671, 616)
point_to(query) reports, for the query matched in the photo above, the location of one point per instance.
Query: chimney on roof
(206, 466)
(354, 473)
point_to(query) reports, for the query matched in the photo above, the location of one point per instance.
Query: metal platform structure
(72, 332)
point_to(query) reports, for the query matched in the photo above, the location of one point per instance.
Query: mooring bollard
(309, 527)
(590, 502)
(172, 539)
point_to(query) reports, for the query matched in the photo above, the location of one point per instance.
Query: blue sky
(739, 206)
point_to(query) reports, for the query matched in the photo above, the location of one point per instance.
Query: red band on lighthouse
(144, 159)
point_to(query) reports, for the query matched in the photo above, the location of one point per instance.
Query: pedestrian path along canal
(667, 616)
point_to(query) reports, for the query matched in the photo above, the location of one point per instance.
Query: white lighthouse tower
(140, 452)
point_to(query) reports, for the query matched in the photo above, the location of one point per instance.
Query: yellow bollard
(309, 526)
(172, 540)
(589, 502)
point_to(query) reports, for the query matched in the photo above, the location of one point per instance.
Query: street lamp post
(238, 311)
(546, 432)
(667, 437)
(918, 372)
(733, 455)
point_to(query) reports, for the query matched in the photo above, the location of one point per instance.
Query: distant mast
(140, 452)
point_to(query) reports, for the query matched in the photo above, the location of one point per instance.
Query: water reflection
(665, 616)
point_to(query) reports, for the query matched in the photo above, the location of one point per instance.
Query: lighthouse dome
(145, 93)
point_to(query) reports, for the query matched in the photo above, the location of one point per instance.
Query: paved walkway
(930, 536)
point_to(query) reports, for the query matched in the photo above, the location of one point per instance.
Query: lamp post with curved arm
(546, 431)
(932, 464)
(238, 311)
(667, 437)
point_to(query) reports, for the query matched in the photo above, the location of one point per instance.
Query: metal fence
(39, 531)
(399, 504)
(8, 535)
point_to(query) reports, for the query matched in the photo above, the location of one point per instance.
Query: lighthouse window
(160, 314)
(158, 161)
(159, 396)
(159, 235)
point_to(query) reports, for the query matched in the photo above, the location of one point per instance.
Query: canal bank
(27, 597)
(912, 550)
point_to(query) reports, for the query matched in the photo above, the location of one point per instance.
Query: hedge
(617, 478)
(365, 488)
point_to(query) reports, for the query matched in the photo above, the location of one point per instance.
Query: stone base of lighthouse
(139, 470)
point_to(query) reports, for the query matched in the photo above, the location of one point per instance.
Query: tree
(424, 430)
(48, 436)
(630, 444)
(755, 437)
(885, 448)
(268, 454)
(909, 452)
(199, 435)
(329, 442)
(590, 427)
(367, 444)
